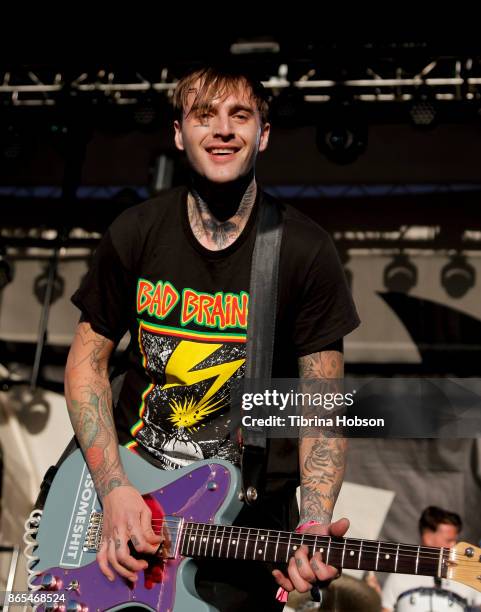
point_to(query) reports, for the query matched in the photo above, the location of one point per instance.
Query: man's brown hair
(218, 82)
(433, 516)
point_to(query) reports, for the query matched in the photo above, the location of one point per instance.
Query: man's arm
(321, 458)
(89, 402)
(322, 464)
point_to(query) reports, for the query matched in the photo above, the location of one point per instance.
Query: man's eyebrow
(233, 109)
(242, 107)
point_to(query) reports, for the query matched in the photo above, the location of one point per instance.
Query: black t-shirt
(186, 308)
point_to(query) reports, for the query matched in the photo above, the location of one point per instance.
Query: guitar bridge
(95, 526)
(94, 532)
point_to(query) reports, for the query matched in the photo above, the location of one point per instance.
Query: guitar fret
(200, 539)
(377, 555)
(328, 551)
(207, 539)
(288, 547)
(229, 542)
(221, 541)
(255, 546)
(247, 542)
(237, 543)
(214, 539)
(277, 545)
(188, 539)
(417, 560)
(343, 553)
(184, 531)
(397, 558)
(440, 562)
(194, 537)
(359, 556)
(266, 543)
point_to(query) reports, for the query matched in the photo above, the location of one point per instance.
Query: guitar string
(367, 545)
(296, 539)
(333, 545)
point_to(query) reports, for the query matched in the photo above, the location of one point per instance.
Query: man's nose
(223, 126)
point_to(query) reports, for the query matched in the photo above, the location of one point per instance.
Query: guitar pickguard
(202, 492)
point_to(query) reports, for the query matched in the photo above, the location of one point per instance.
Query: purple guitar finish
(197, 497)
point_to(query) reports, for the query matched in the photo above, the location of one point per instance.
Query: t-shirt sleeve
(326, 311)
(105, 293)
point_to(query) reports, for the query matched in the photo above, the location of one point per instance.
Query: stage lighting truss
(447, 78)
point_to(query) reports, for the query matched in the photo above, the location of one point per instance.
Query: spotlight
(400, 275)
(41, 283)
(341, 134)
(458, 276)
(423, 111)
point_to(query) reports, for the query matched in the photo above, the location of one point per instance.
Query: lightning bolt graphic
(179, 371)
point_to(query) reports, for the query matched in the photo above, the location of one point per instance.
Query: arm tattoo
(321, 457)
(215, 234)
(326, 364)
(89, 401)
(322, 470)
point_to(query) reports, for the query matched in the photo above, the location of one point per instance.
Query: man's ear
(179, 143)
(264, 139)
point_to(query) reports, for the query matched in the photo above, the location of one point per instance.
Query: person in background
(440, 528)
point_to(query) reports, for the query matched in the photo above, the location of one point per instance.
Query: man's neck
(216, 233)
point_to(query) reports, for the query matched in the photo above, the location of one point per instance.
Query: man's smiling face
(222, 139)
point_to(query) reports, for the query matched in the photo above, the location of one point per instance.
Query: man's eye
(241, 116)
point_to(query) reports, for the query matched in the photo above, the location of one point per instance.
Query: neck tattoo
(212, 233)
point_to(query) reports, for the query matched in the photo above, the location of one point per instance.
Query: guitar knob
(51, 582)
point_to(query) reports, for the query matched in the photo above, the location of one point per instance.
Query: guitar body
(205, 492)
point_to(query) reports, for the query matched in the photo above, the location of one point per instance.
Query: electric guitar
(197, 504)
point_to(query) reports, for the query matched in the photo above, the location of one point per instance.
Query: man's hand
(126, 517)
(303, 572)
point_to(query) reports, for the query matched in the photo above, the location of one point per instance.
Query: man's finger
(303, 566)
(102, 561)
(282, 580)
(152, 536)
(301, 585)
(120, 558)
(340, 527)
(321, 570)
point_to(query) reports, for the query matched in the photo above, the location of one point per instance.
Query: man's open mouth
(219, 151)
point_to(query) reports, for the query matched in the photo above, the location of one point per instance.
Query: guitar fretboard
(229, 542)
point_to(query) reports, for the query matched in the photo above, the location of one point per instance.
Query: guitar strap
(263, 292)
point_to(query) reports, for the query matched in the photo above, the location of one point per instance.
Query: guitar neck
(229, 542)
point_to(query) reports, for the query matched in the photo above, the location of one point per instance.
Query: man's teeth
(221, 151)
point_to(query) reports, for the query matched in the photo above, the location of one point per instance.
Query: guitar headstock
(464, 565)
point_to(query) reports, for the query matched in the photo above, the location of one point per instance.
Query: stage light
(422, 110)
(458, 276)
(41, 283)
(400, 275)
(342, 132)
